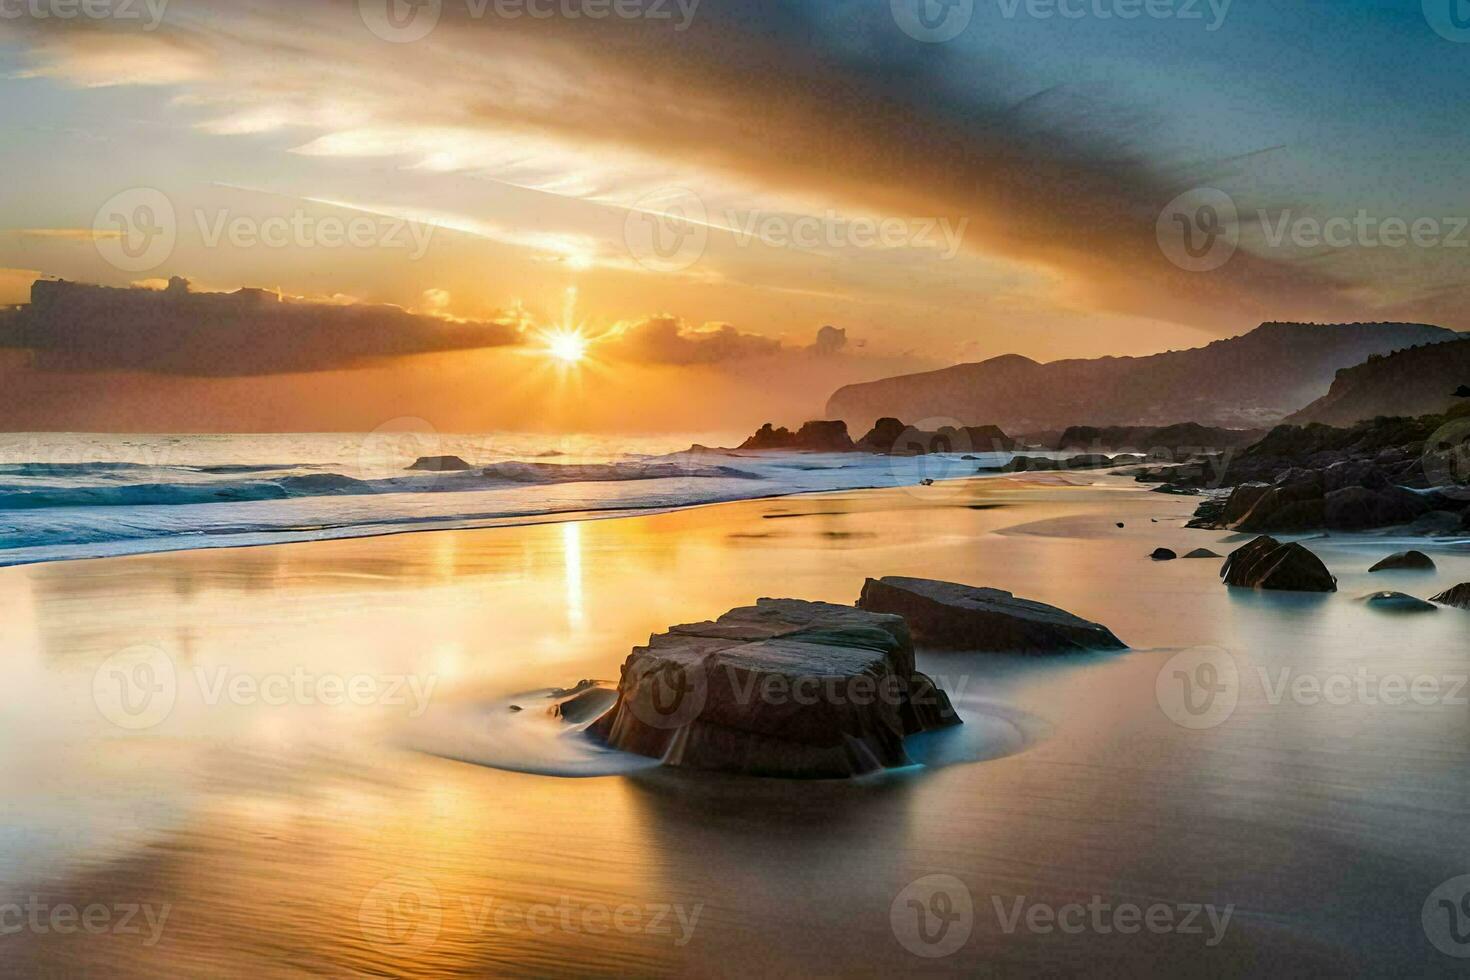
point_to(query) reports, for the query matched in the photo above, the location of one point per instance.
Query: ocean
(69, 495)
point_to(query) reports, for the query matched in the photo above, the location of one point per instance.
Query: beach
(278, 812)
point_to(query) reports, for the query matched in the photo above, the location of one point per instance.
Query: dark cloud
(75, 327)
(667, 340)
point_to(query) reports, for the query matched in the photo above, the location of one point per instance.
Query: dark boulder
(1203, 553)
(1164, 554)
(441, 464)
(1360, 508)
(1398, 602)
(1411, 561)
(947, 614)
(782, 688)
(1459, 597)
(1463, 391)
(1268, 564)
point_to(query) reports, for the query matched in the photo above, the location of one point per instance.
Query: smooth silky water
(302, 837)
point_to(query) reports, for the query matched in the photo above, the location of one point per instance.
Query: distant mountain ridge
(1414, 382)
(1244, 382)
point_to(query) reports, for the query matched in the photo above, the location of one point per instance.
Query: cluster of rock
(816, 437)
(1172, 441)
(1042, 464)
(889, 437)
(892, 437)
(1268, 564)
(1384, 473)
(816, 690)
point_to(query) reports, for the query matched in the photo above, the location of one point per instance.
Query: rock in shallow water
(1407, 561)
(782, 688)
(440, 464)
(1268, 564)
(1203, 553)
(1164, 554)
(946, 614)
(1398, 602)
(1459, 597)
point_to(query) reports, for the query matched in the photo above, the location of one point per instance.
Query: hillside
(1243, 382)
(1418, 381)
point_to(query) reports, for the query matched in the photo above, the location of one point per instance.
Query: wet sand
(304, 838)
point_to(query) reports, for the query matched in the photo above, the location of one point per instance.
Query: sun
(567, 346)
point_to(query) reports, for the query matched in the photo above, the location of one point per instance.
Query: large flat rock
(781, 688)
(947, 614)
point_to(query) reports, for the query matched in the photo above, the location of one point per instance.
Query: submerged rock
(946, 614)
(1203, 553)
(1398, 602)
(441, 464)
(1414, 561)
(1164, 554)
(782, 688)
(1459, 597)
(1268, 564)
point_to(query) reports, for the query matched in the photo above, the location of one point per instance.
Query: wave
(27, 497)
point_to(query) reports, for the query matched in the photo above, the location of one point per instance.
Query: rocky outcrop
(947, 614)
(1459, 597)
(1164, 554)
(815, 437)
(782, 688)
(1351, 495)
(1410, 561)
(1414, 381)
(1041, 464)
(1172, 441)
(1398, 602)
(1268, 564)
(1203, 553)
(441, 464)
(892, 437)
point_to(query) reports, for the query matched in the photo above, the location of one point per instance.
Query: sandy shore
(304, 837)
